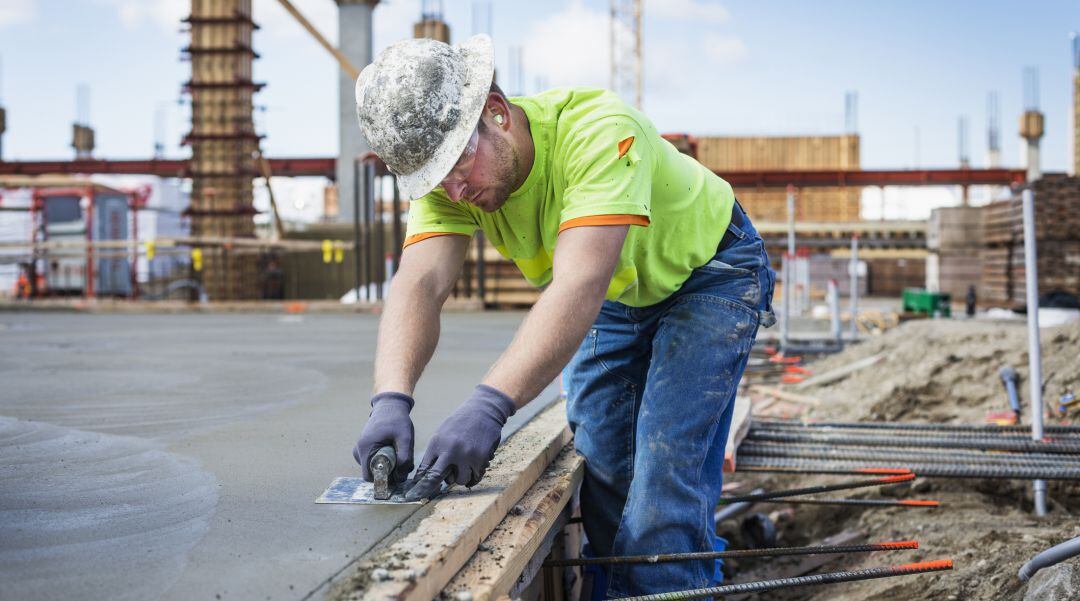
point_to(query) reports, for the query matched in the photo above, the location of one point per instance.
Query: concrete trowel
(383, 491)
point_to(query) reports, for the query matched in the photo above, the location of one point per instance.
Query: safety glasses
(464, 165)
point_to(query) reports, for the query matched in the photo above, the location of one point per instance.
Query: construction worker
(656, 284)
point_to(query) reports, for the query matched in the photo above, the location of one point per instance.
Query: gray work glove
(389, 424)
(464, 444)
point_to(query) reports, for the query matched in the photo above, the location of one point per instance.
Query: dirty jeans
(650, 396)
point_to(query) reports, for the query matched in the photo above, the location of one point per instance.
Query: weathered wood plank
(417, 560)
(507, 551)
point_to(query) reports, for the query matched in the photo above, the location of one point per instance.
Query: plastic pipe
(734, 510)
(1008, 376)
(1049, 557)
(1031, 277)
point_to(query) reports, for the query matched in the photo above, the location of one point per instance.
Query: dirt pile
(941, 371)
(946, 371)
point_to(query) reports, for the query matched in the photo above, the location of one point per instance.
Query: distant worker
(656, 284)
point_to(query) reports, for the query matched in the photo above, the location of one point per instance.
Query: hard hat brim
(479, 56)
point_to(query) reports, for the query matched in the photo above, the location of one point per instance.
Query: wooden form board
(418, 559)
(811, 204)
(493, 571)
(756, 153)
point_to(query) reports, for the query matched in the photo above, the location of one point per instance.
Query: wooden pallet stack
(783, 153)
(954, 237)
(1057, 235)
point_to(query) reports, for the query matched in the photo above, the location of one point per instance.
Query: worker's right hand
(389, 424)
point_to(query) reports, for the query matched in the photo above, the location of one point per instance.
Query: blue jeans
(650, 395)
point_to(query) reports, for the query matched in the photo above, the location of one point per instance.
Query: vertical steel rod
(398, 238)
(481, 282)
(789, 269)
(379, 256)
(1031, 277)
(834, 310)
(356, 227)
(854, 287)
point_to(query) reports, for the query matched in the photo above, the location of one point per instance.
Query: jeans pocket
(718, 266)
(607, 353)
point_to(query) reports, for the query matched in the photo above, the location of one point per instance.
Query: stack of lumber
(1057, 236)
(888, 276)
(954, 236)
(788, 153)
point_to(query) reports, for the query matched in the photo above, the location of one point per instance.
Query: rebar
(740, 553)
(915, 434)
(827, 578)
(937, 470)
(860, 502)
(988, 428)
(809, 490)
(874, 454)
(1020, 444)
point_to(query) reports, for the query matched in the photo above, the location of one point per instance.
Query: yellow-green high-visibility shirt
(598, 161)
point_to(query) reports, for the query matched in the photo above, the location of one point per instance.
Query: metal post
(379, 256)
(789, 270)
(854, 286)
(1031, 277)
(356, 227)
(785, 332)
(481, 284)
(370, 260)
(399, 241)
(834, 309)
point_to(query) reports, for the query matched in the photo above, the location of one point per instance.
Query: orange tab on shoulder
(625, 146)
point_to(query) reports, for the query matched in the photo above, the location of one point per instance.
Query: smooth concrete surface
(179, 456)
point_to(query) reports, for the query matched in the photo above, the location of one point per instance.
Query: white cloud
(14, 12)
(163, 13)
(724, 49)
(275, 22)
(393, 22)
(700, 11)
(570, 47)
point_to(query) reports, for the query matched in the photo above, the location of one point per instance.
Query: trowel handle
(384, 458)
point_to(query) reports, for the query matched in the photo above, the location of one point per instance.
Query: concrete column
(354, 41)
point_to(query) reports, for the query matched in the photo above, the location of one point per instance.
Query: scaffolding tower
(223, 142)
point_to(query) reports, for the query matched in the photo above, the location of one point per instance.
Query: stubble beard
(508, 166)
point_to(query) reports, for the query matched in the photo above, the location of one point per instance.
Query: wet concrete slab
(179, 456)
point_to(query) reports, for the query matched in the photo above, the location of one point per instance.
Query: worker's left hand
(464, 444)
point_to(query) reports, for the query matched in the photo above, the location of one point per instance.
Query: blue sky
(734, 67)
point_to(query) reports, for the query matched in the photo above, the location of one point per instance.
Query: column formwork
(223, 142)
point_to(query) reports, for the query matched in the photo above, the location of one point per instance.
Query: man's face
(495, 167)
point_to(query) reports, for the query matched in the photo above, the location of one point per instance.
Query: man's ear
(499, 109)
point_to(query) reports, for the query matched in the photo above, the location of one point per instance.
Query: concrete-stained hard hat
(418, 104)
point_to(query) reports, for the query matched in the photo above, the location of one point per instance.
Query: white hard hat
(418, 104)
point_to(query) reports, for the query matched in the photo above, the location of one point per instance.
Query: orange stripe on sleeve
(418, 237)
(604, 220)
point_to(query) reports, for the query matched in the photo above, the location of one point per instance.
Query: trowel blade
(356, 491)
